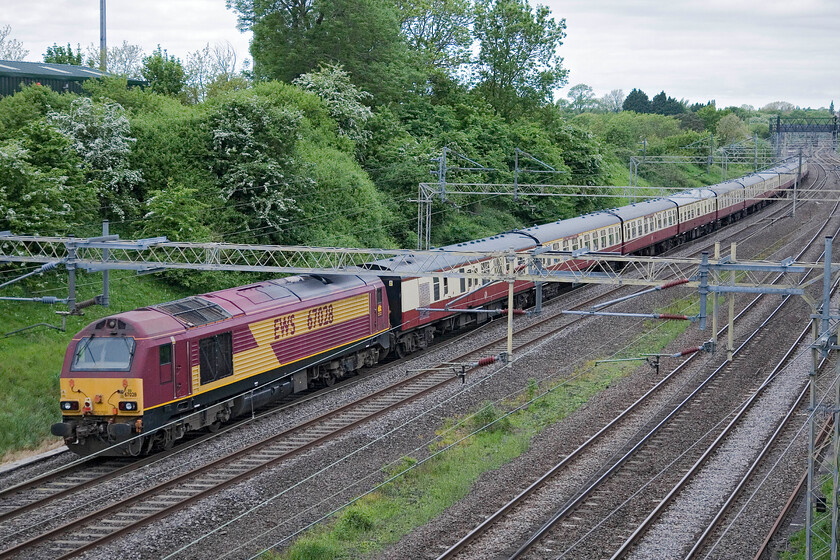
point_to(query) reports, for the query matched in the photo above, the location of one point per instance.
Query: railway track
(259, 460)
(572, 514)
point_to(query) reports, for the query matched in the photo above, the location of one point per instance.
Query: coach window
(436, 284)
(165, 362)
(445, 287)
(215, 357)
(463, 281)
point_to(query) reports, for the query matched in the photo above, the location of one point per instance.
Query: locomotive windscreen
(103, 354)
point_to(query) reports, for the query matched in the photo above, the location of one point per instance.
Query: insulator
(673, 283)
(487, 361)
(673, 316)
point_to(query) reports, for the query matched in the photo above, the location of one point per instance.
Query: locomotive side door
(183, 378)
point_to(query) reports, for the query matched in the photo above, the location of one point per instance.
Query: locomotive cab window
(215, 357)
(96, 353)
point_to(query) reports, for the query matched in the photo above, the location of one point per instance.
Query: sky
(736, 52)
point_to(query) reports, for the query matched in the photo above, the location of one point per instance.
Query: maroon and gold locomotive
(193, 363)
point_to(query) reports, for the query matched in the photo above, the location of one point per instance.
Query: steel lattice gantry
(789, 133)
(150, 255)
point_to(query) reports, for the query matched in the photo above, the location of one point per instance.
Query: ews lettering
(320, 316)
(284, 326)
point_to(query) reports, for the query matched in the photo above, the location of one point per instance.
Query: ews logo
(284, 326)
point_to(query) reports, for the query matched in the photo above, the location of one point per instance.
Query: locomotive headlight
(69, 405)
(128, 406)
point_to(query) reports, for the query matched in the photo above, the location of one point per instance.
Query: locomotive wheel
(214, 427)
(135, 446)
(329, 380)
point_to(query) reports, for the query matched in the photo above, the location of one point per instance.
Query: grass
(466, 446)
(821, 540)
(30, 362)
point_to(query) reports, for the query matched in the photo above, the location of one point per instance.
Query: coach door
(183, 379)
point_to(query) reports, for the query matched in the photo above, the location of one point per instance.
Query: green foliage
(342, 99)
(438, 31)
(61, 55)
(132, 99)
(404, 464)
(730, 129)
(354, 521)
(664, 105)
(100, 135)
(37, 201)
(637, 101)
(581, 97)
(710, 116)
(30, 104)
(489, 418)
(517, 61)
(257, 173)
(341, 205)
(293, 37)
(165, 74)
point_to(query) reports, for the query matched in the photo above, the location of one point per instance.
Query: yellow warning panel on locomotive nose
(98, 396)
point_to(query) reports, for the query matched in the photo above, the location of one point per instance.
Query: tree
(123, 60)
(101, 135)
(582, 97)
(779, 107)
(613, 101)
(664, 105)
(293, 37)
(253, 144)
(60, 55)
(517, 53)
(343, 100)
(438, 30)
(164, 73)
(731, 129)
(209, 66)
(637, 101)
(10, 49)
(831, 107)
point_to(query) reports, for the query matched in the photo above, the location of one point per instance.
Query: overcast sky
(734, 51)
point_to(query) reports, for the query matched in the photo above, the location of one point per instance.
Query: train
(138, 381)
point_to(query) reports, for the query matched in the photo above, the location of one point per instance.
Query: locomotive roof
(172, 317)
(257, 297)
